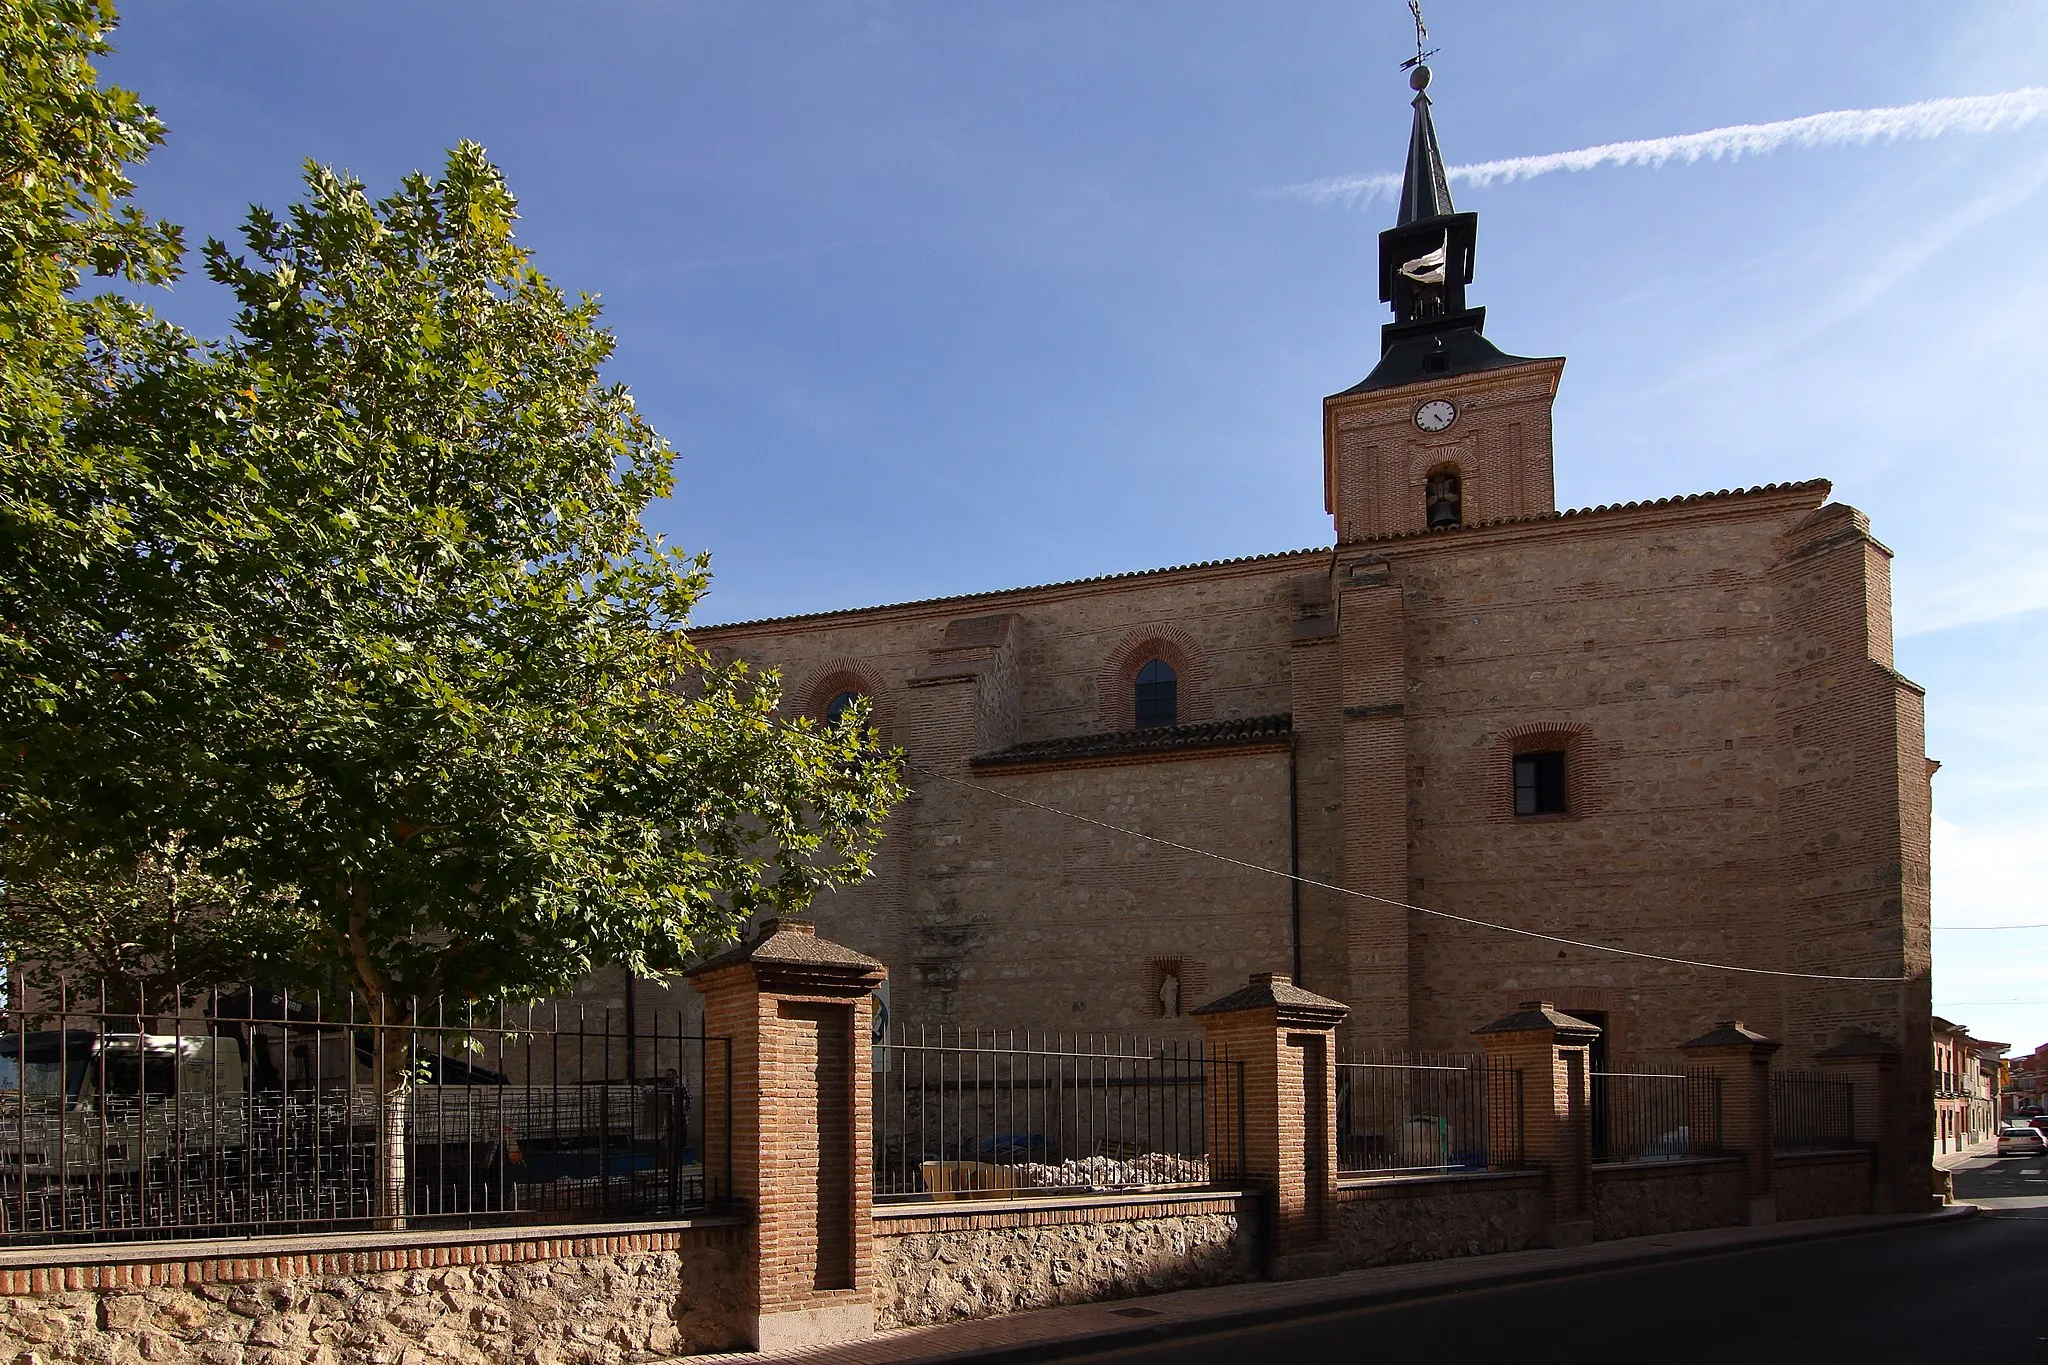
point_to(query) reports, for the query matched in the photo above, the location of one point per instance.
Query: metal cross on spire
(1421, 37)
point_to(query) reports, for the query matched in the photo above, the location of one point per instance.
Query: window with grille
(1540, 784)
(1157, 695)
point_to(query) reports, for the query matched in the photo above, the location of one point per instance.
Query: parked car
(2022, 1141)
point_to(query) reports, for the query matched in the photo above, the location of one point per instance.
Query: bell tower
(1448, 430)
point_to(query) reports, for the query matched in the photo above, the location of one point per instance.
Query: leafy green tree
(133, 937)
(454, 724)
(457, 709)
(355, 610)
(65, 530)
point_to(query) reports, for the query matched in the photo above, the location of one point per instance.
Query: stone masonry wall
(1820, 1184)
(1649, 653)
(1393, 1221)
(978, 903)
(638, 1296)
(1636, 1200)
(1716, 668)
(976, 1262)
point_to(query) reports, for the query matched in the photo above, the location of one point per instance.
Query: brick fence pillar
(795, 1008)
(1281, 1040)
(1899, 1178)
(1741, 1061)
(1551, 1050)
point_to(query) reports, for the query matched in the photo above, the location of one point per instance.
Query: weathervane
(1415, 63)
(1421, 37)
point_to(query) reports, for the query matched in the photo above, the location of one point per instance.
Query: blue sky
(937, 297)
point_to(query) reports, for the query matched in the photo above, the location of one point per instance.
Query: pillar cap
(791, 952)
(1540, 1016)
(1276, 991)
(1731, 1033)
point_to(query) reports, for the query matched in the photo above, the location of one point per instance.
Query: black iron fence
(1655, 1116)
(1413, 1115)
(251, 1111)
(960, 1113)
(1811, 1113)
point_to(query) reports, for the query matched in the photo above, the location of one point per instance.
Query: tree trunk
(391, 1058)
(394, 1104)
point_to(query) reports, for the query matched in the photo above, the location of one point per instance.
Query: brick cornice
(941, 608)
(56, 1269)
(1534, 381)
(1769, 500)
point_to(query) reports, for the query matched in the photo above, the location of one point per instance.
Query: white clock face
(1436, 414)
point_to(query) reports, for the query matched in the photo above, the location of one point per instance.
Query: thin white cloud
(1999, 113)
(1902, 255)
(1999, 573)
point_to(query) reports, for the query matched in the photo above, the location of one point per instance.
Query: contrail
(1929, 118)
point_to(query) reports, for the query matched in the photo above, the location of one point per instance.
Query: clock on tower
(1448, 430)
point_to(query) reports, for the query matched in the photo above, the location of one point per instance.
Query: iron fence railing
(1811, 1113)
(1411, 1115)
(1655, 1116)
(961, 1113)
(251, 1111)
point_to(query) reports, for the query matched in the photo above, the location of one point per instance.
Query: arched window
(836, 708)
(1157, 702)
(1446, 499)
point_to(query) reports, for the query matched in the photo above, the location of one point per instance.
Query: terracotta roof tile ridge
(1272, 990)
(1605, 508)
(1150, 739)
(1117, 577)
(788, 942)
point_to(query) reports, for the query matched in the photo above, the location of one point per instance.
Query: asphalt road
(1973, 1291)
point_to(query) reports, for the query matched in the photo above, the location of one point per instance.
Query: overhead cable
(1396, 904)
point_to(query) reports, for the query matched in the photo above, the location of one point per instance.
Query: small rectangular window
(1539, 784)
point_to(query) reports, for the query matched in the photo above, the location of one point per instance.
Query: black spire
(1425, 263)
(1425, 191)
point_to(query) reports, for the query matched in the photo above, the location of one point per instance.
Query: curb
(1152, 1334)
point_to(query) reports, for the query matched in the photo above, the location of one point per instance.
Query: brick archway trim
(830, 678)
(1585, 767)
(1115, 689)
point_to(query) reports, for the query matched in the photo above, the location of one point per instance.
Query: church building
(1491, 738)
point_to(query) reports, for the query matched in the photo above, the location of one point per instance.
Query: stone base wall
(1821, 1184)
(530, 1296)
(1387, 1221)
(945, 1262)
(1636, 1199)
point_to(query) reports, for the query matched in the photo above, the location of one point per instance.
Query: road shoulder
(1059, 1333)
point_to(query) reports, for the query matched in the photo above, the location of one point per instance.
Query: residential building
(1966, 1087)
(2027, 1083)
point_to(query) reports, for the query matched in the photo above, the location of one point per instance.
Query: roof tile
(1238, 732)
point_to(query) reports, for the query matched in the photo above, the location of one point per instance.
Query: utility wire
(1951, 1004)
(1399, 905)
(1988, 928)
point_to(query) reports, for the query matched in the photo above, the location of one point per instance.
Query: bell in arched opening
(1446, 500)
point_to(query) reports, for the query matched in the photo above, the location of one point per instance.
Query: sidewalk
(1948, 1161)
(1058, 1333)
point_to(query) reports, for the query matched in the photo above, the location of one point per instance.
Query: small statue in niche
(1169, 995)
